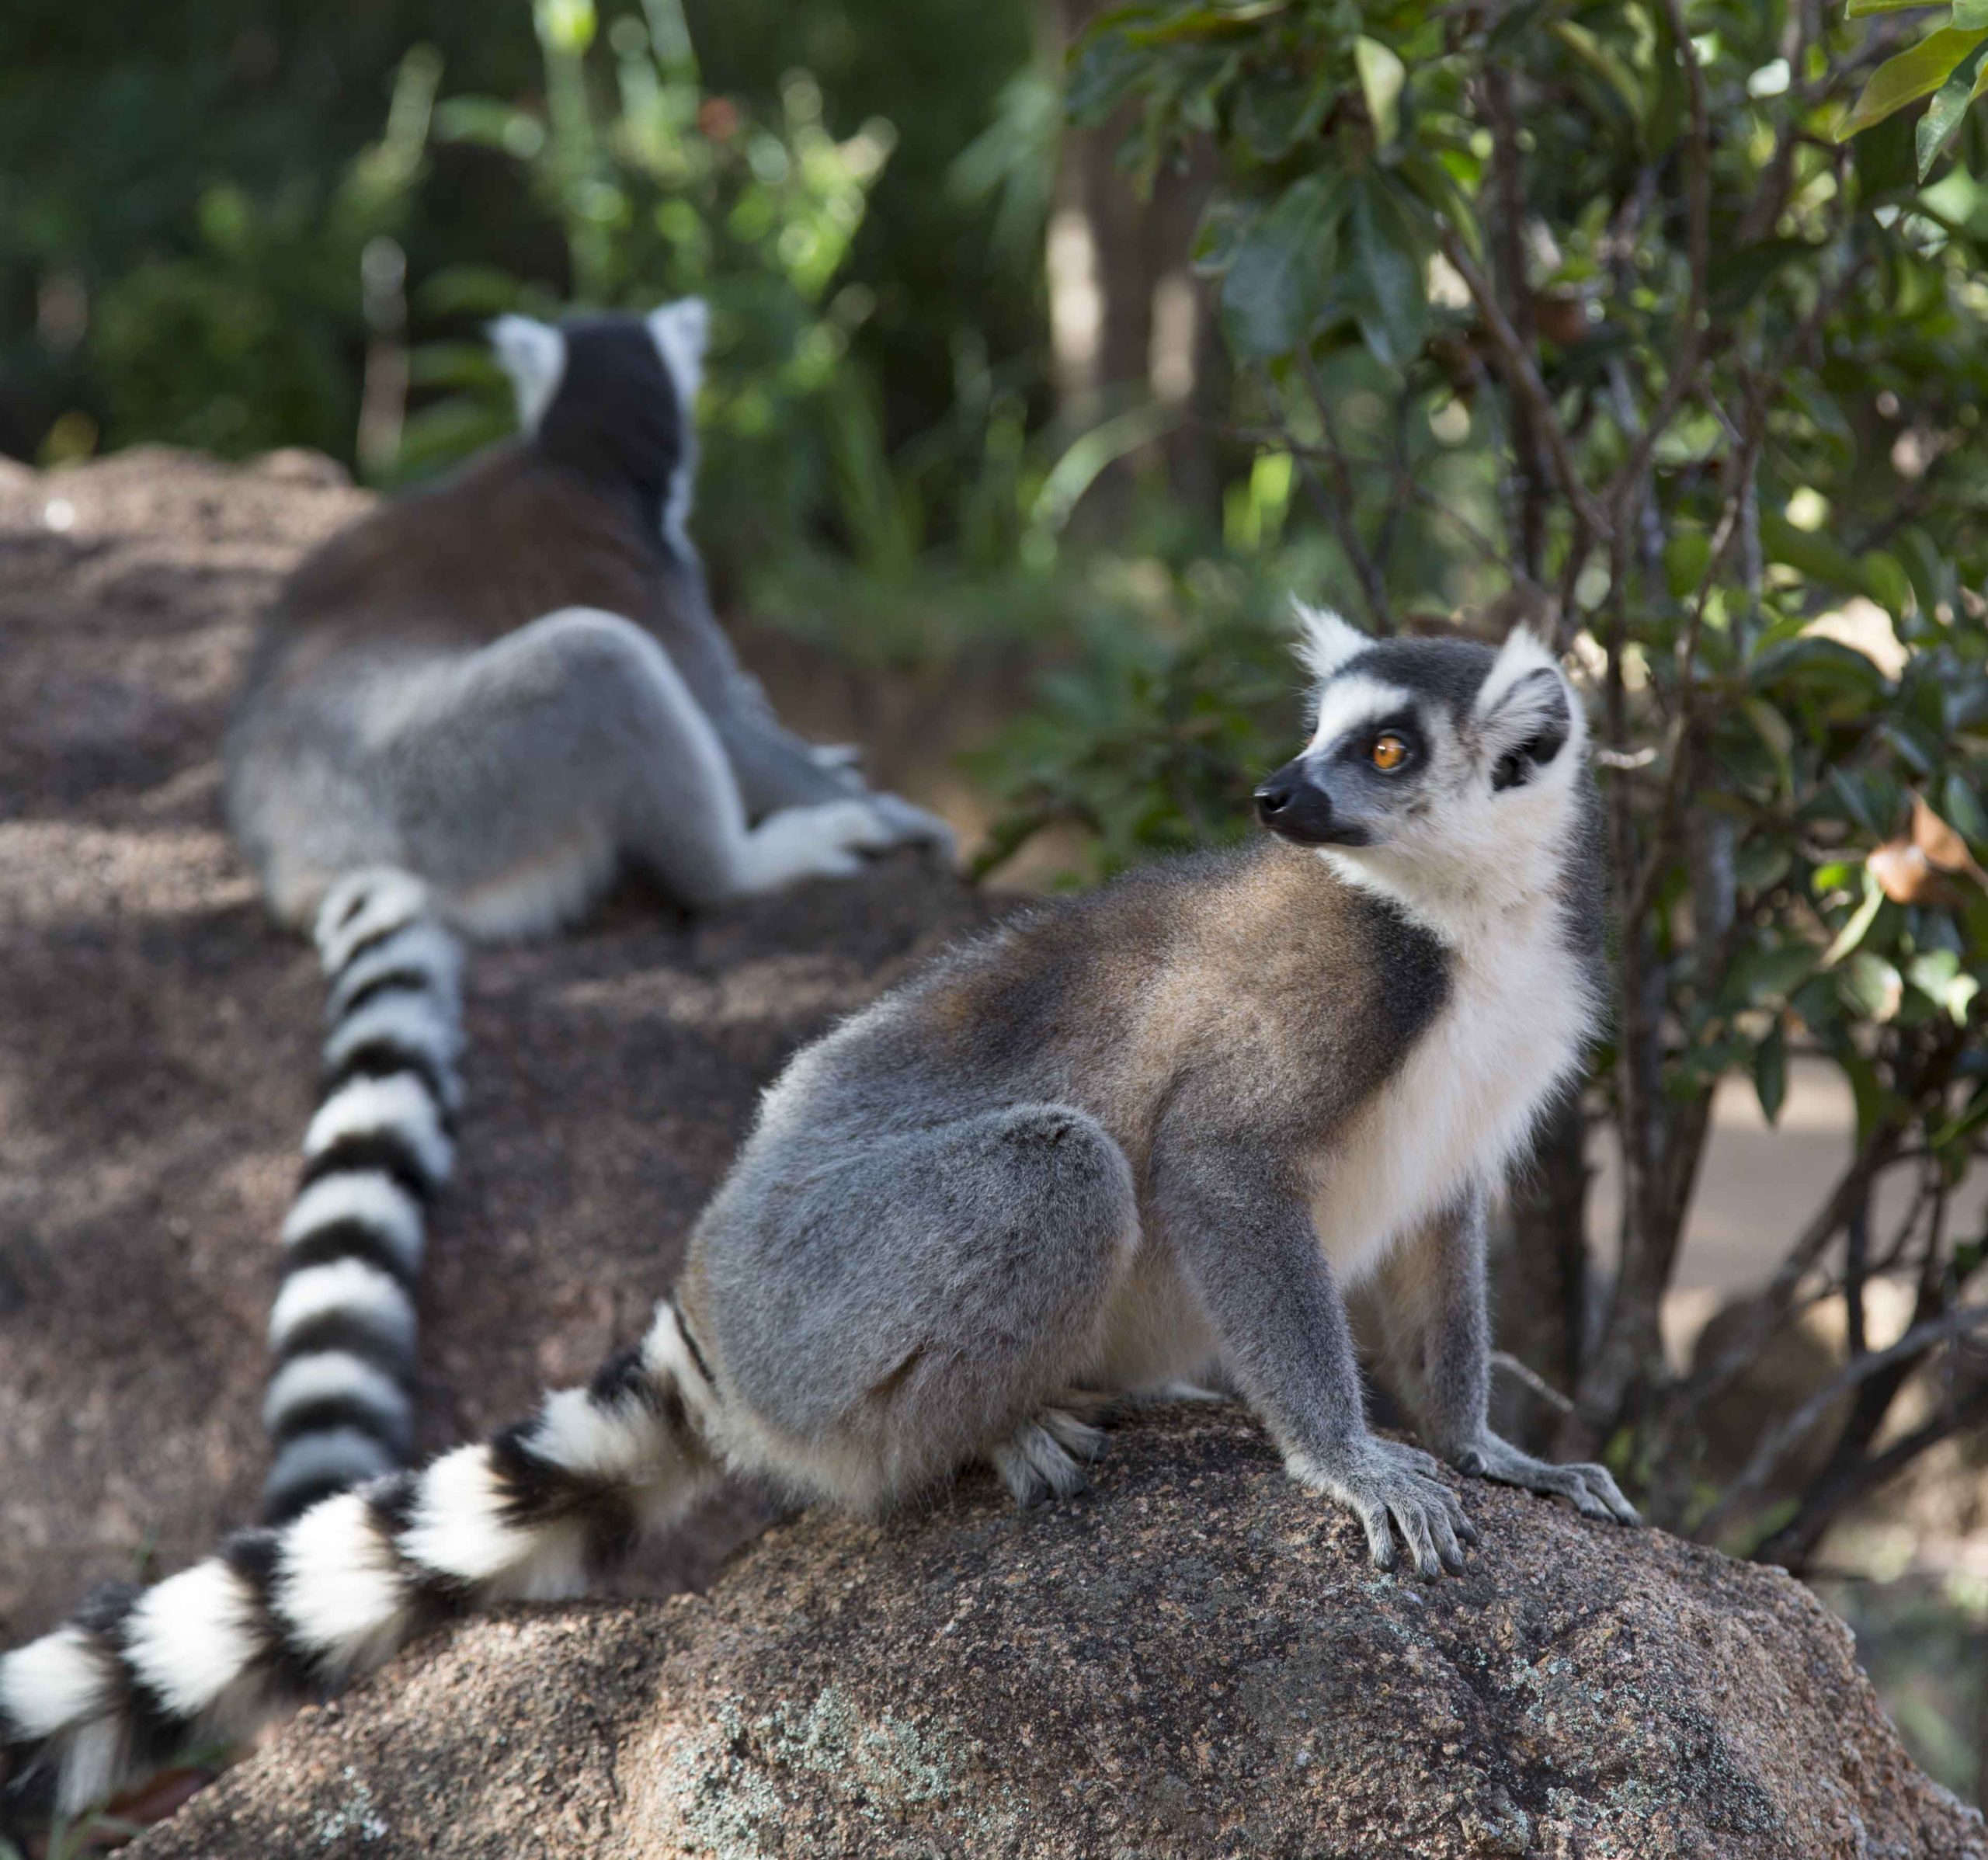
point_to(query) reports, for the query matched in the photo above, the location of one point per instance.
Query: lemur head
(1449, 773)
(614, 397)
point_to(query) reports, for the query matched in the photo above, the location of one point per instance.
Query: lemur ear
(534, 354)
(1525, 714)
(1324, 642)
(681, 330)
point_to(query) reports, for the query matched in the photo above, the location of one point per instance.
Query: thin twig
(1695, 152)
(1551, 1397)
(1763, 1314)
(1525, 380)
(1776, 1445)
(1372, 584)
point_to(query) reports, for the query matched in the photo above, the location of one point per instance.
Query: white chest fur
(1463, 1105)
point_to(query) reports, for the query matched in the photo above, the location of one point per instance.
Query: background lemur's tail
(380, 1146)
(530, 1514)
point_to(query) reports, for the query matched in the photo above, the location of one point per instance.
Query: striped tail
(531, 1514)
(380, 1148)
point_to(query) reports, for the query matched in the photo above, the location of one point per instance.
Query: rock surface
(157, 1059)
(1191, 1659)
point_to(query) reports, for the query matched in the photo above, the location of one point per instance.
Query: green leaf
(1864, 9)
(1776, 731)
(1273, 114)
(1686, 557)
(1605, 62)
(1812, 552)
(1381, 76)
(1912, 74)
(1970, 15)
(1279, 282)
(1771, 1073)
(1869, 1092)
(1103, 69)
(1775, 974)
(1948, 109)
(1963, 811)
(1384, 282)
(1859, 926)
(1870, 985)
(1887, 582)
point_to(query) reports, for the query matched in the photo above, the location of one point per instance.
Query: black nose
(1274, 798)
(1294, 806)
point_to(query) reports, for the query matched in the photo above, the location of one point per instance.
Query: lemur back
(461, 715)
(1130, 1137)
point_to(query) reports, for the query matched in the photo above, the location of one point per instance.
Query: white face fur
(1479, 819)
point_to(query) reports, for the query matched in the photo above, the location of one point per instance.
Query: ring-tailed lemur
(462, 713)
(1130, 1136)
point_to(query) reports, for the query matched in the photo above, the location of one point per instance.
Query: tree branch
(1525, 382)
(1775, 1446)
(1338, 503)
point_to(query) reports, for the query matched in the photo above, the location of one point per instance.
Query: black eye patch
(1357, 746)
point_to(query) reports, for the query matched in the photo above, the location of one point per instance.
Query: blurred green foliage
(189, 193)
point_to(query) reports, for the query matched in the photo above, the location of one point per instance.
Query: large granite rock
(1192, 1660)
(157, 1062)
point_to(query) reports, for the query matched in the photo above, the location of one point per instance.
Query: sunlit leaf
(1381, 76)
(1911, 75)
(1948, 109)
(1871, 986)
(1857, 928)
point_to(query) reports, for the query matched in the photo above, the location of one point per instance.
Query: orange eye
(1389, 752)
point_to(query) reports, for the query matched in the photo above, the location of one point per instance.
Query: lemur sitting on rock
(1151, 1133)
(463, 715)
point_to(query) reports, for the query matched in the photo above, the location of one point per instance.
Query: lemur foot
(908, 826)
(1045, 1457)
(1385, 1483)
(1592, 1488)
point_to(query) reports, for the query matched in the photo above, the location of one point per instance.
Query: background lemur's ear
(534, 354)
(1324, 642)
(681, 330)
(1524, 711)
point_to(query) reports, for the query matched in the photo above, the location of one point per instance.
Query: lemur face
(1434, 757)
(615, 397)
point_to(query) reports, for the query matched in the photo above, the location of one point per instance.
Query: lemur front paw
(1390, 1486)
(1592, 1488)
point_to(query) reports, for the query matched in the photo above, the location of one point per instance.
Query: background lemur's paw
(1045, 1457)
(909, 825)
(1391, 1487)
(844, 831)
(1593, 1489)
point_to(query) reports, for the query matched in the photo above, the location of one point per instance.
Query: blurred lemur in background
(1133, 1137)
(464, 713)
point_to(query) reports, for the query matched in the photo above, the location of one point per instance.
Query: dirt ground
(156, 1053)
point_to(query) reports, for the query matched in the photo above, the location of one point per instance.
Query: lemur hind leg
(960, 1306)
(569, 743)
